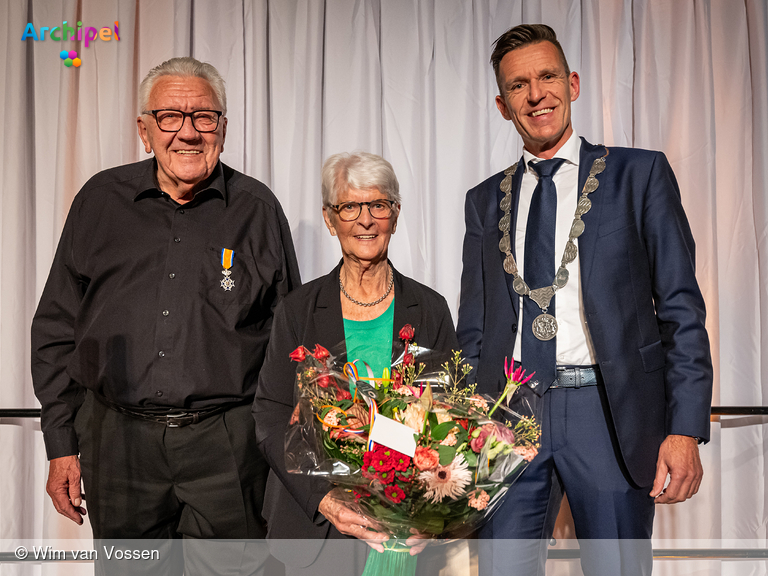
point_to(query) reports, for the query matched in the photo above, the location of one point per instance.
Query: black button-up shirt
(135, 309)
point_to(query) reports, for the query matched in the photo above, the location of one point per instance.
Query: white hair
(361, 171)
(185, 67)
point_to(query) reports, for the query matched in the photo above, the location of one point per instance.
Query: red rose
(398, 378)
(299, 354)
(426, 458)
(343, 394)
(401, 461)
(382, 461)
(394, 493)
(320, 353)
(407, 333)
(368, 470)
(361, 492)
(407, 476)
(386, 477)
(323, 381)
(408, 359)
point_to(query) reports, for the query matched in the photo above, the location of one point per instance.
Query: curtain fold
(408, 79)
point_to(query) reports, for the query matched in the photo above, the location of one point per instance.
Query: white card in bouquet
(392, 434)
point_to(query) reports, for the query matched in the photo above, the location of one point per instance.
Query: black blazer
(640, 296)
(311, 315)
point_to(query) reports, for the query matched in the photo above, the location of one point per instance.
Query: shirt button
(514, 327)
(159, 393)
(161, 354)
(181, 211)
(165, 312)
(171, 275)
(177, 240)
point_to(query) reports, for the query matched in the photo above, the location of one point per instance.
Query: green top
(370, 341)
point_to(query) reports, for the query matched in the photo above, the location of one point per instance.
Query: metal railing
(716, 411)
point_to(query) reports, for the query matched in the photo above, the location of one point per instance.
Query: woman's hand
(351, 523)
(417, 542)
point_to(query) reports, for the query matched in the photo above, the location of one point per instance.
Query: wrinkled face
(365, 239)
(187, 157)
(537, 95)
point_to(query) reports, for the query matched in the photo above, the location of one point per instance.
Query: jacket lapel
(329, 321)
(406, 309)
(588, 154)
(327, 315)
(517, 180)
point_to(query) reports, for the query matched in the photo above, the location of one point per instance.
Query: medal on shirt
(544, 326)
(227, 256)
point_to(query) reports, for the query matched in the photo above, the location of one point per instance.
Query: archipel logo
(64, 32)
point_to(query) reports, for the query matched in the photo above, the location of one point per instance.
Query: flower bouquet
(412, 450)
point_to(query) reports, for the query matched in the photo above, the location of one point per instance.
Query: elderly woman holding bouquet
(363, 302)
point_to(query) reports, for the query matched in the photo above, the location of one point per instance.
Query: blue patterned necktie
(538, 355)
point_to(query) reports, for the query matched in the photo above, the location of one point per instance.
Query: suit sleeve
(53, 343)
(272, 409)
(446, 334)
(291, 278)
(680, 310)
(469, 330)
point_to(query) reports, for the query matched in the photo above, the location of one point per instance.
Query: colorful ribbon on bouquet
(350, 371)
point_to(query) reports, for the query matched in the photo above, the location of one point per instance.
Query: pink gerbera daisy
(448, 480)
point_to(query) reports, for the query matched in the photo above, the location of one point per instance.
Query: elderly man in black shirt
(149, 336)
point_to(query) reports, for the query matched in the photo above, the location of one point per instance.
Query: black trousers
(144, 481)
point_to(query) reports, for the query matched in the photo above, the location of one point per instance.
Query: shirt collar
(569, 151)
(148, 185)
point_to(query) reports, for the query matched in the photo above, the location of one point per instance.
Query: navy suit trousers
(613, 518)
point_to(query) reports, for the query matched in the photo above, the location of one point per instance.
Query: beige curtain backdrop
(408, 79)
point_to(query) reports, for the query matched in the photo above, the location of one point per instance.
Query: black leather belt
(171, 417)
(576, 377)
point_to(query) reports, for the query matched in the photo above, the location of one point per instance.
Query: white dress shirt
(574, 346)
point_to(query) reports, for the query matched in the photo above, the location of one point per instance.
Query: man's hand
(678, 457)
(349, 522)
(64, 487)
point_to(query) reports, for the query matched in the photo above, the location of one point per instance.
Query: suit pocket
(617, 224)
(652, 356)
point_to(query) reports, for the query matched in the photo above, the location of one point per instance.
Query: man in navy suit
(585, 252)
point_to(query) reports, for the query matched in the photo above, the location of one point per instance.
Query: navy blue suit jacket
(643, 306)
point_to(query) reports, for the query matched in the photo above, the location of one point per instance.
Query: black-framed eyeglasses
(380, 209)
(172, 120)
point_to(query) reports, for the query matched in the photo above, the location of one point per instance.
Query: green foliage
(440, 431)
(331, 447)
(471, 458)
(389, 406)
(447, 454)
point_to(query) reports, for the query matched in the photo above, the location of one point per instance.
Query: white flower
(413, 417)
(443, 417)
(448, 480)
(450, 440)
